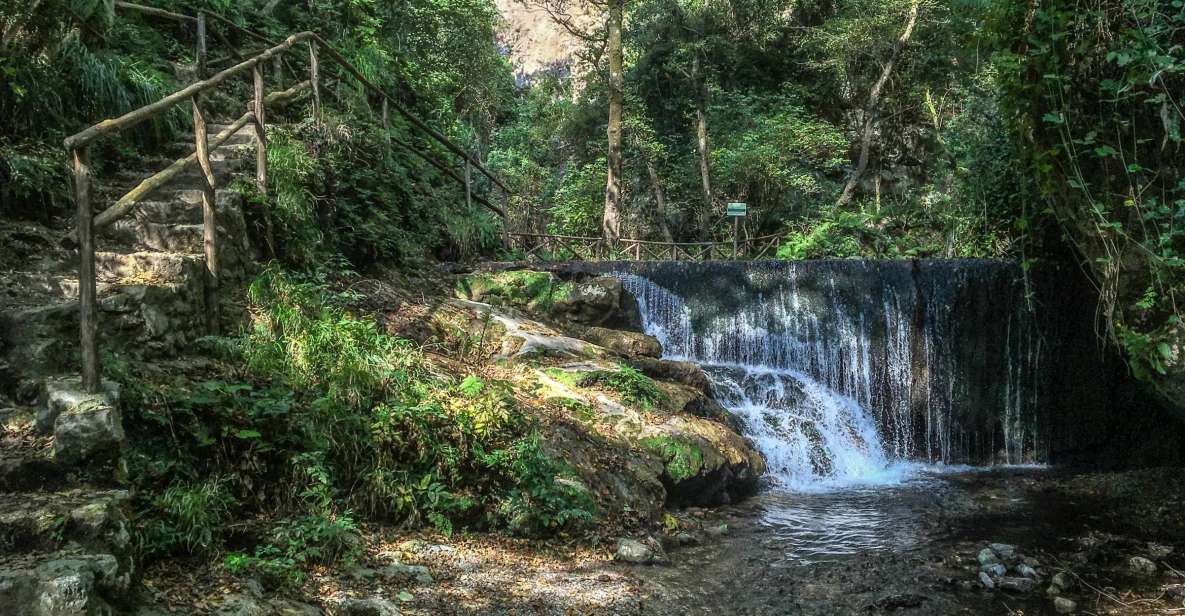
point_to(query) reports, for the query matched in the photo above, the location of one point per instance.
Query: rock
(1062, 580)
(637, 552)
(363, 573)
(1026, 571)
(986, 580)
(627, 343)
(1003, 550)
(86, 427)
(602, 302)
(236, 604)
(686, 538)
(994, 569)
(1052, 591)
(704, 462)
(987, 557)
(682, 372)
(1016, 584)
(1064, 606)
(716, 531)
(63, 394)
(1175, 592)
(284, 607)
(407, 573)
(1141, 566)
(1159, 551)
(58, 587)
(369, 606)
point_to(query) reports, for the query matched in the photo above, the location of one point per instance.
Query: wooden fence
(543, 247)
(79, 149)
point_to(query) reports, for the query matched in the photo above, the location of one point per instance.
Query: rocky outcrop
(597, 302)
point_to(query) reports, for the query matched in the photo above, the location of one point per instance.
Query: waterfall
(843, 372)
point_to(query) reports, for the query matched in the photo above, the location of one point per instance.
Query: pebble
(633, 551)
(686, 538)
(1064, 605)
(987, 557)
(986, 580)
(1063, 580)
(1004, 550)
(1026, 571)
(1016, 584)
(1141, 566)
(994, 569)
(717, 531)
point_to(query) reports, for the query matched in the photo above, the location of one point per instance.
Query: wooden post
(260, 134)
(314, 73)
(736, 231)
(468, 185)
(209, 215)
(87, 309)
(387, 121)
(201, 46)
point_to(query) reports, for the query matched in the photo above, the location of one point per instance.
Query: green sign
(737, 209)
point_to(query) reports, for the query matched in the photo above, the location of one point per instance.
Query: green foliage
(333, 421)
(1091, 95)
(634, 387)
(189, 515)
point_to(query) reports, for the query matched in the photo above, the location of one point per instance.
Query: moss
(683, 460)
(569, 378)
(635, 388)
(582, 410)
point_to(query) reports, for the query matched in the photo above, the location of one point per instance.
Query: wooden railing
(544, 247)
(78, 146)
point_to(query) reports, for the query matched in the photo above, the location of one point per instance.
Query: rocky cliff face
(536, 42)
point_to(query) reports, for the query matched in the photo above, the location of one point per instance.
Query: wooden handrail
(155, 12)
(341, 60)
(87, 136)
(638, 249)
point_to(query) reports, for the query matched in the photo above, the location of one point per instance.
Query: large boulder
(600, 302)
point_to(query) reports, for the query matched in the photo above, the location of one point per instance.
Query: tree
(611, 220)
(872, 109)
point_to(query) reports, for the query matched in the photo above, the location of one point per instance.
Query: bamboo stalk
(315, 79)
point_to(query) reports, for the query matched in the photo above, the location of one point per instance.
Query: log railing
(79, 148)
(545, 247)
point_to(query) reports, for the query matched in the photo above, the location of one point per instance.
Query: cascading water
(845, 372)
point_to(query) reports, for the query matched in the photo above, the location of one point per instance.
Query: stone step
(185, 207)
(157, 236)
(148, 268)
(46, 521)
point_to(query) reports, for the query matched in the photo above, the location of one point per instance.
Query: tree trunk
(660, 201)
(611, 221)
(873, 107)
(701, 132)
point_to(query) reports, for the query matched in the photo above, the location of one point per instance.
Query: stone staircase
(65, 542)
